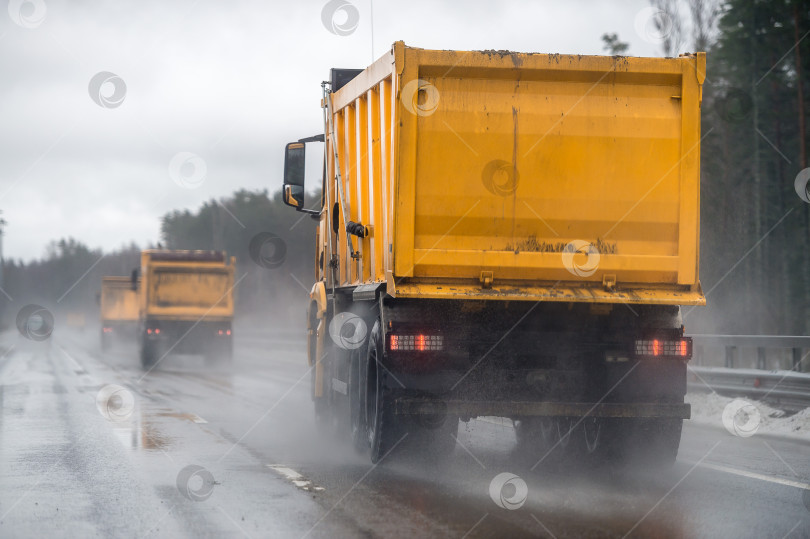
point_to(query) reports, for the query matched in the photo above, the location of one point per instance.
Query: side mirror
(294, 159)
(294, 196)
(133, 280)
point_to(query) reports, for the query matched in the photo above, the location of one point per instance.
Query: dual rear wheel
(375, 428)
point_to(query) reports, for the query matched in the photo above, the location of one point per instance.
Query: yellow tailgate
(190, 293)
(118, 300)
(524, 155)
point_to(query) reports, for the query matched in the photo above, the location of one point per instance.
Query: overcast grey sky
(229, 82)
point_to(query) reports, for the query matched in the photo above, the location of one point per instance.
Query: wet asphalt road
(264, 470)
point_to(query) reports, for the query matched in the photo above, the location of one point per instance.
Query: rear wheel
(357, 397)
(384, 431)
(148, 354)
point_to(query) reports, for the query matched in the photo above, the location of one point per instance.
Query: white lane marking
(500, 421)
(754, 475)
(196, 418)
(294, 477)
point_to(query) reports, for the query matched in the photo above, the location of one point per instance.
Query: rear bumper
(186, 336)
(561, 293)
(422, 406)
(119, 324)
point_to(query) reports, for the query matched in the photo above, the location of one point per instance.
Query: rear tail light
(415, 343)
(106, 330)
(680, 348)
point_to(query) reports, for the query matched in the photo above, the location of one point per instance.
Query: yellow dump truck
(506, 234)
(119, 309)
(185, 304)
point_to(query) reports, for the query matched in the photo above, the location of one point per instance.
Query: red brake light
(676, 348)
(415, 343)
(157, 330)
(227, 332)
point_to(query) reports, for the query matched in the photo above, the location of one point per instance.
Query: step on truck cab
(506, 234)
(119, 310)
(185, 304)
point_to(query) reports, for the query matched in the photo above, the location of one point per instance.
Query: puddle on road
(140, 433)
(194, 418)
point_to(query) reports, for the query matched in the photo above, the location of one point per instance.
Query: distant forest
(755, 230)
(68, 278)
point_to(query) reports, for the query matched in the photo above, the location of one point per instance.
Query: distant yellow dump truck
(506, 234)
(185, 304)
(119, 309)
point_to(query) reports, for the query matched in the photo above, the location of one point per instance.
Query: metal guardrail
(786, 390)
(798, 345)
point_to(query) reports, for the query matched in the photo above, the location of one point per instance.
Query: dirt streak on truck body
(507, 228)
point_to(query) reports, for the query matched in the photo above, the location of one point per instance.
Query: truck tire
(384, 431)
(596, 439)
(148, 355)
(378, 430)
(358, 425)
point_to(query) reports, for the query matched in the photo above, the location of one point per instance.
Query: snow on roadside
(707, 409)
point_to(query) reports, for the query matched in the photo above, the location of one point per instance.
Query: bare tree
(704, 14)
(668, 25)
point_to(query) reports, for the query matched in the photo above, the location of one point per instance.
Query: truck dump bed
(500, 175)
(186, 285)
(119, 302)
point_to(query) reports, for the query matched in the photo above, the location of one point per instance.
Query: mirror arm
(314, 138)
